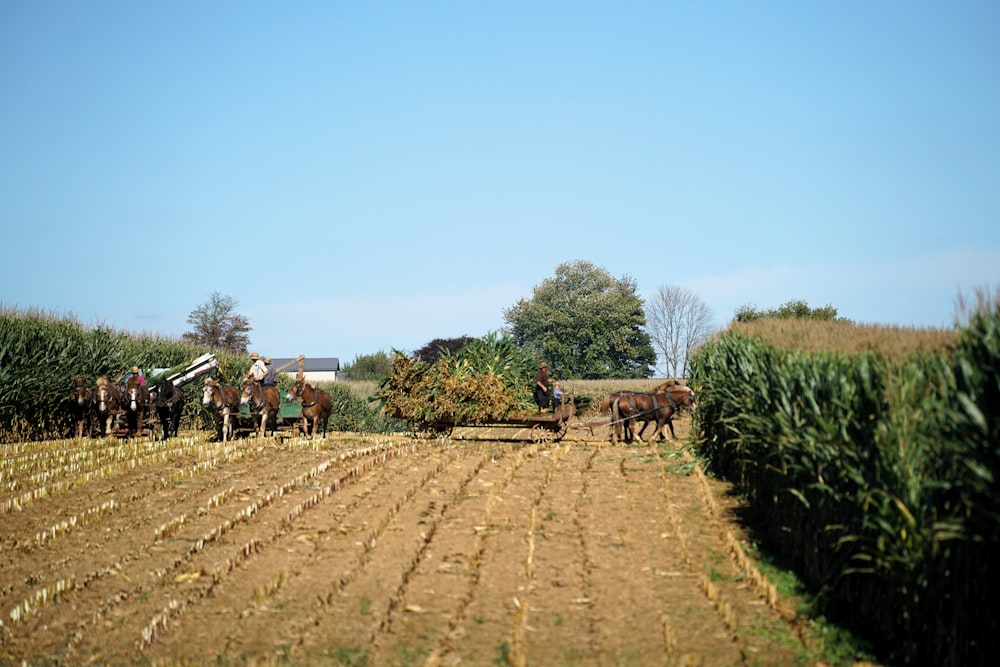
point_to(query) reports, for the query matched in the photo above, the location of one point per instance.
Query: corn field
(41, 354)
(874, 468)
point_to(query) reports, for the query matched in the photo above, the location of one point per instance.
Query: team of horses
(103, 404)
(658, 407)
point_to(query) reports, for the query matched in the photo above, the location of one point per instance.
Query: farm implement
(197, 369)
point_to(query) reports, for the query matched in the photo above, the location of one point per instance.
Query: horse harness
(315, 397)
(674, 404)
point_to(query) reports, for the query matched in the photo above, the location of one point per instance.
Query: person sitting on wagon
(271, 375)
(557, 392)
(258, 371)
(135, 371)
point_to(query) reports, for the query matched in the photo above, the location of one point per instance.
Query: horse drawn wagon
(252, 408)
(542, 427)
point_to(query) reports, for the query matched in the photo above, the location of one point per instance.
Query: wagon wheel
(542, 433)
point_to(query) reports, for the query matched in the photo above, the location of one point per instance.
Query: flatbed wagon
(542, 426)
(289, 418)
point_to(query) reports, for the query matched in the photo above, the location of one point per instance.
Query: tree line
(583, 321)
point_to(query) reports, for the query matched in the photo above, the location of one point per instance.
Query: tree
(585, 324)
(368, 367)
(216, 325)
(678, 322)
(794, 309)
(433, 350)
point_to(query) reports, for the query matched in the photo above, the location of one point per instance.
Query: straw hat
(267, 360)
(254, 356)
(135, 369)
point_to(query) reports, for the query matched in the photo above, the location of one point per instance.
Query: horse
(107, 402)
(630, 407)
(607, 406)
(684, 396)
(224, 402)
(169, 402)
(263, 401)
(136, 404)
(83, 406)
(316, 405)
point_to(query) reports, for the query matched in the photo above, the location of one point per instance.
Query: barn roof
(313, 364)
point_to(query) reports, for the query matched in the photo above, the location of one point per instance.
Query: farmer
(542, 387)
(271, 375)
(258, 371)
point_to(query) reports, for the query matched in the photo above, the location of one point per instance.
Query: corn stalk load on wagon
(486, 385)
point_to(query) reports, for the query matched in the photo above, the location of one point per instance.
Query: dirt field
(376, 551)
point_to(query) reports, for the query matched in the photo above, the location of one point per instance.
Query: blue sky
(366, 176)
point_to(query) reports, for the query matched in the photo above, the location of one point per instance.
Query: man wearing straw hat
(257, 369)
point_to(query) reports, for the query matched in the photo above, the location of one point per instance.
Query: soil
(479, 549)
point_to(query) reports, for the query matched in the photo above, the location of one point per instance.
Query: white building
(315, 370)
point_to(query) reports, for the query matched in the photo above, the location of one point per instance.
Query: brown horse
(136, 405)
(107, 402)
(83, 406)
(630, 407)
(316, 405)
(224, 402)
(263, 401)
(684, 396)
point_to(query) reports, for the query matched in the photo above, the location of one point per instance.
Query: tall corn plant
(40, 354)
(963, 582)
(877, 479)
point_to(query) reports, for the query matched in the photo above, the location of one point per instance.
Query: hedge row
(877, 477)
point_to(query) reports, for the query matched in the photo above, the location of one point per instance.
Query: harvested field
(377, 551)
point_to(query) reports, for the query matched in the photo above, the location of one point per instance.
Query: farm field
(377, 550)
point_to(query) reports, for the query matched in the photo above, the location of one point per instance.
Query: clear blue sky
(363, 176)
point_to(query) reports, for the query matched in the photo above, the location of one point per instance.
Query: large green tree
(585, 323)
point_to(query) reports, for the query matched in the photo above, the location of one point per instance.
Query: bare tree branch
(678, 321)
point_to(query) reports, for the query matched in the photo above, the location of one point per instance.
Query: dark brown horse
(263, 402)
(136, 405)
(224, 402)
(630, 407)
(169, 402)
(83, 406)
(107, 403)
(316, 405)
